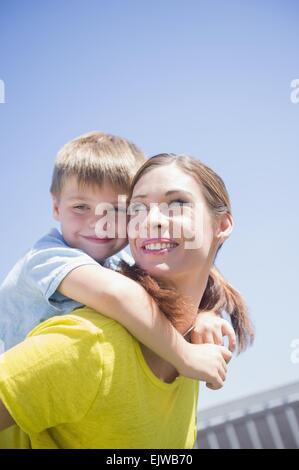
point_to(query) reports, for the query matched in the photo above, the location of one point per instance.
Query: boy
(67, 270)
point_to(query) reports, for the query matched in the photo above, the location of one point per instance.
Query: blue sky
(207, 78)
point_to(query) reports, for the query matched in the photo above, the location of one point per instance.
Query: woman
(82, 381)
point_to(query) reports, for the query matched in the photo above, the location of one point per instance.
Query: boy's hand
(211, 328)
(206, 362)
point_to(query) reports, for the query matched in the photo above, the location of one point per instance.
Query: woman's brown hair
(219, 295)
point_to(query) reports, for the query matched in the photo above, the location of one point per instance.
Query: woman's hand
(211, 328)
(206, 362)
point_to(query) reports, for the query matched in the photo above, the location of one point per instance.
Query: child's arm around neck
(124, 300)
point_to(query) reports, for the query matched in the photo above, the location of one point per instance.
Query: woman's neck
(192, 287)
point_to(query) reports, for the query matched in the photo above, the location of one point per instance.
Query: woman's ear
(55, 208)
(224, 227)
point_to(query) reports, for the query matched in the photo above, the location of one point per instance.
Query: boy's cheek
(122, 243)
(121, 229)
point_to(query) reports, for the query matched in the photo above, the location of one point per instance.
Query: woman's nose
(157, 218)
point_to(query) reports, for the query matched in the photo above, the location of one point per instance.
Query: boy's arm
(124, 300)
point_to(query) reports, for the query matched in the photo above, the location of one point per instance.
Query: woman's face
(171, 230)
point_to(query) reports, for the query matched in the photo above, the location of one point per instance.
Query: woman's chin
(162, 270)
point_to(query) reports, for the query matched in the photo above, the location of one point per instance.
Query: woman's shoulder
(82, 320)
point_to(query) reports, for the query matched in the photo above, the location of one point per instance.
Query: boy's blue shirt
(29, 293)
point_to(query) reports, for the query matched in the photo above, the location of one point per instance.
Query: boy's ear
(55, 207)
(224, 227)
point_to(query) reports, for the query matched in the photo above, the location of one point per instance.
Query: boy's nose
(93, 221)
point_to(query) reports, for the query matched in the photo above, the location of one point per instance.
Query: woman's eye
(136, 208)
(120, 210)
(179, 203)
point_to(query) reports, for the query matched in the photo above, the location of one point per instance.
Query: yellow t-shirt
(81, 381)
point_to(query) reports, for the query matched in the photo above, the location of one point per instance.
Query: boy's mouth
(98, 240)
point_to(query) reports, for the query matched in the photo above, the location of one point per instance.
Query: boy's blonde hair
(95, 158)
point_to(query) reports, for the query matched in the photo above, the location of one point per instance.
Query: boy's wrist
(181, 360)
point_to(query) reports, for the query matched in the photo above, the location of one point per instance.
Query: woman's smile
(158, 246)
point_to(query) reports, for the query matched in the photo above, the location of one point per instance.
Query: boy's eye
(80, 207)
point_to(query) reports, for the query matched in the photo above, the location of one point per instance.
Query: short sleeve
(53, 376)
(46, 268)
(114, 261)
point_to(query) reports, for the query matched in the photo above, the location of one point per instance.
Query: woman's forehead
(166, 179)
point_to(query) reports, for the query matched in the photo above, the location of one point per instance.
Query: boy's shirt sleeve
(114, 261)
(46, 267)
(53, 376)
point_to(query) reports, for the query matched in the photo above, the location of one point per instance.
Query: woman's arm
(5, 418)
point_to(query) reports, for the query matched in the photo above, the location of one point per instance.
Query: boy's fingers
(196, 338)
(226, 353)
(227, 330)
(208, 338)
(211, 386)
(216, 384)
(224, 366)
(218, 337)
(222, 373)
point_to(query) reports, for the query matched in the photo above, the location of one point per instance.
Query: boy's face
(99, 235)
